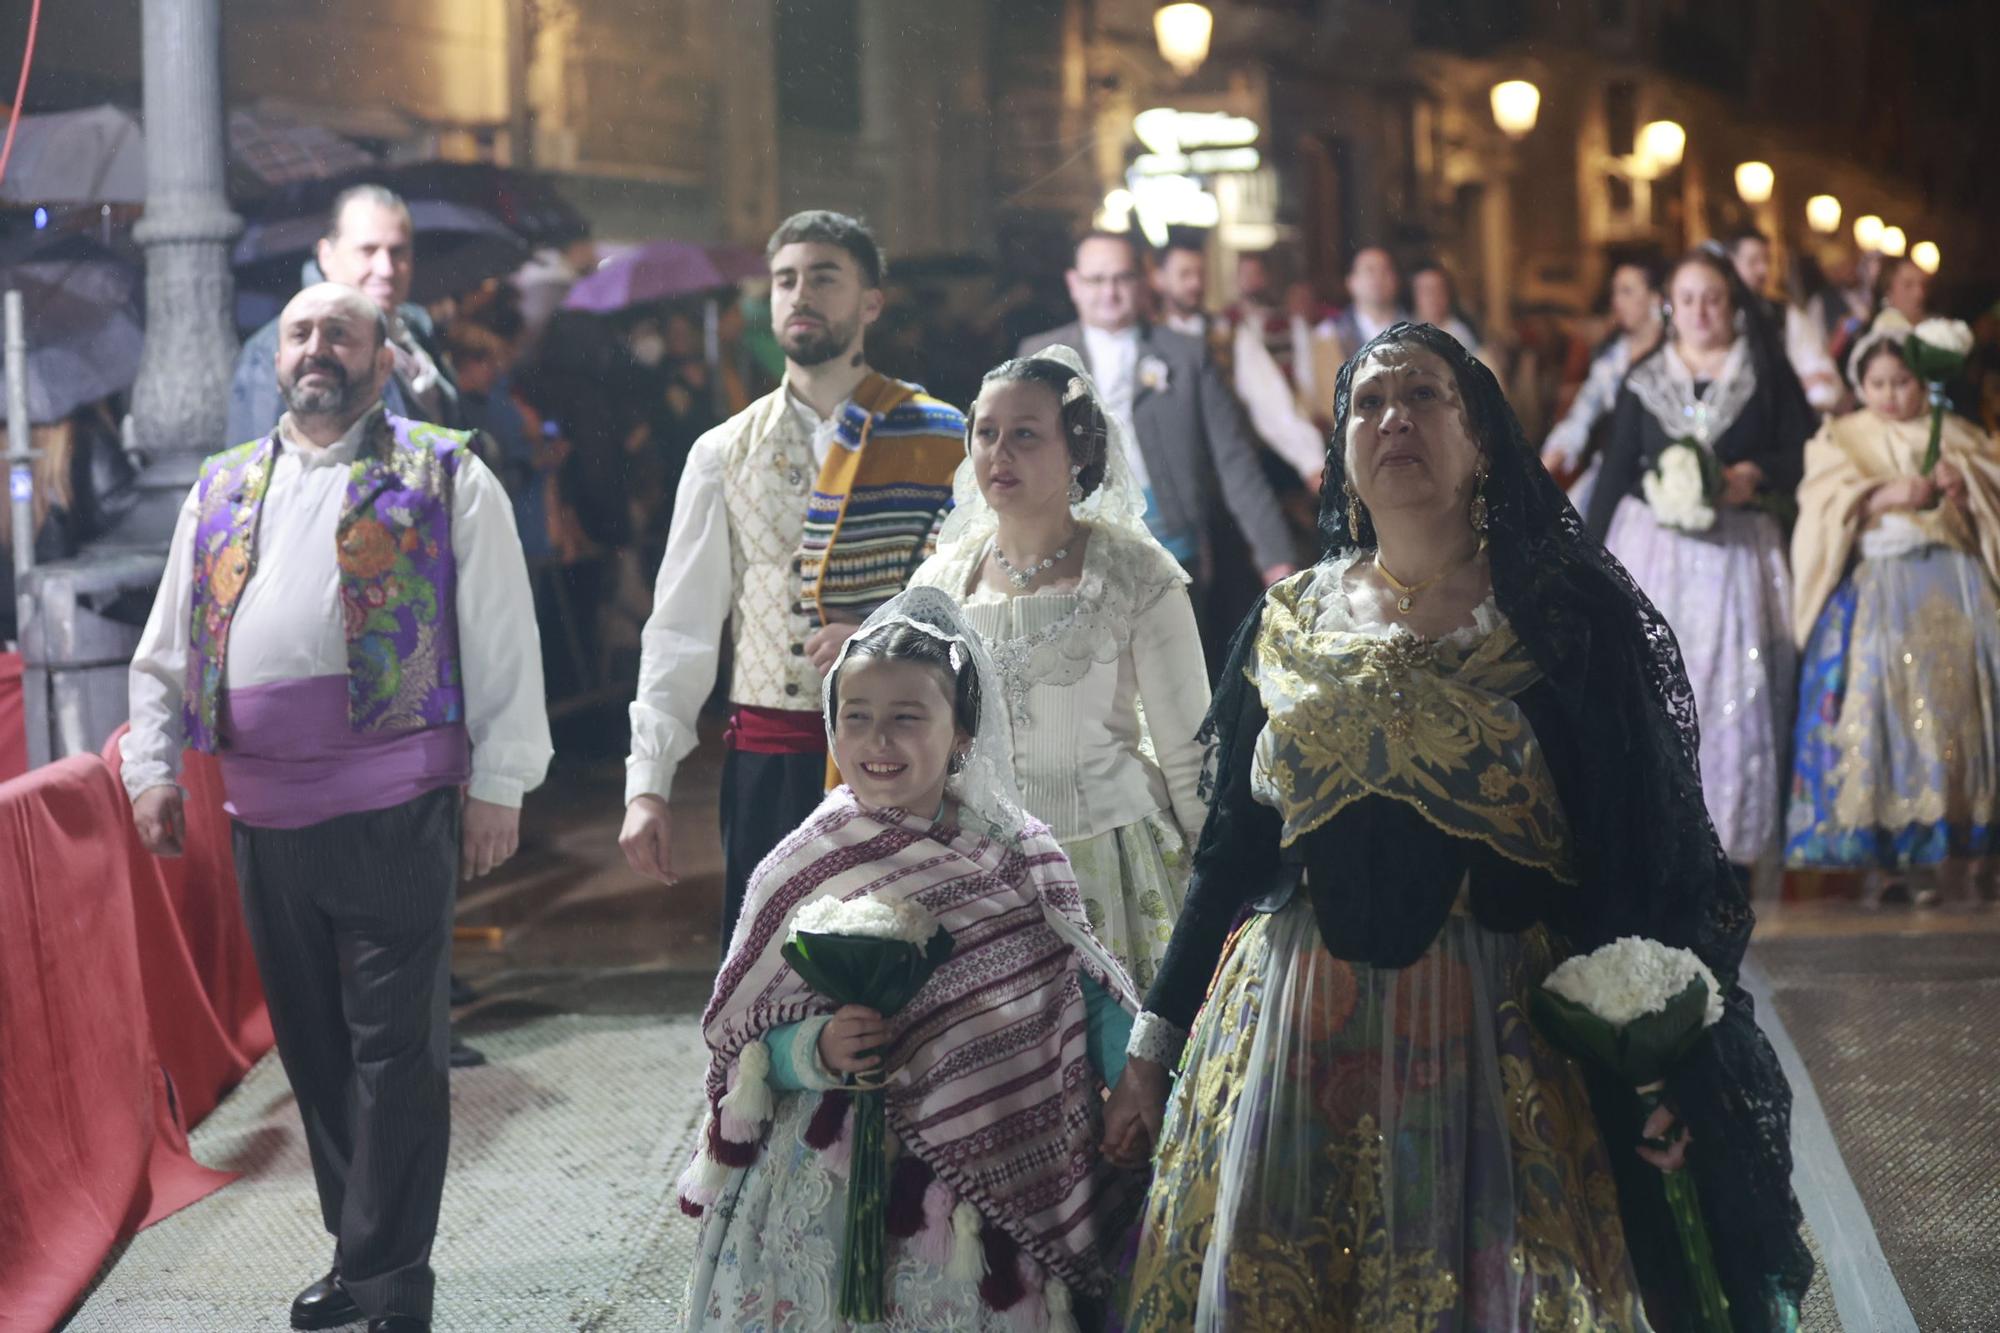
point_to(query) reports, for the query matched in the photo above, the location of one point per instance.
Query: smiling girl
(999, 1204)
(1898, 762)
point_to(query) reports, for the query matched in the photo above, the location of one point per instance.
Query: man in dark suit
(370, 243)
(1187, 426)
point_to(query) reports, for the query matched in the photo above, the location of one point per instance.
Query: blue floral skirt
(1897, 747)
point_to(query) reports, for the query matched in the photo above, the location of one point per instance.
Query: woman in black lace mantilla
(1455, 751)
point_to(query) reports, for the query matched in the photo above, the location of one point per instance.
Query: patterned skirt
(1134, 880)
(1727, 595)
(1361, 1148)
(1898, 739)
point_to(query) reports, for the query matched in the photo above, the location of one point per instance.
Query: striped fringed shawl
(992, 1087)
(881, 492)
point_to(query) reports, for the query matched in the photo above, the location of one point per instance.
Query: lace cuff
(806, 1065)
(1154, 1038)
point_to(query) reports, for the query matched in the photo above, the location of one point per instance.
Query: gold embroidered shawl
(1848, 459)
(1432, 724)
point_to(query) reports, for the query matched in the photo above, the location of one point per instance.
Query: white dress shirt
(1113, 359)
(288, 623)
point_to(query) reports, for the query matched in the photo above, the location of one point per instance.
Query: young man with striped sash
(795, 518)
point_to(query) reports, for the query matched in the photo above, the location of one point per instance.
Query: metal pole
(20, 452)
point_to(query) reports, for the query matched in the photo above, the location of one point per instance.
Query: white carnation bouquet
(1937, 350)
(1683, 486)
(1635, 1008)
(878, 952)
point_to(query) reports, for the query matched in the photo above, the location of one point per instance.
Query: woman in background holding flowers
(1897, 767)
(1457, 747)
(1714, 565)
(998, 1201)
(1087, 617)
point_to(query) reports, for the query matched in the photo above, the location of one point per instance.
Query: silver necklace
(1021, 578)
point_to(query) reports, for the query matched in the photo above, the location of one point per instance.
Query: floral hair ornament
(1075, 389)
(956, 655)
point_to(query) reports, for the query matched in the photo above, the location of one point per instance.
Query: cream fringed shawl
(1847, 460)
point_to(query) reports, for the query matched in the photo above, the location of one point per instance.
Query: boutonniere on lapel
(1152, 373)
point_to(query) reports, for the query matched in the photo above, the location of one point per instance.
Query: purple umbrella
(657, 271)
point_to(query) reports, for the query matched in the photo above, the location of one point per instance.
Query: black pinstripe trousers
(351, 923)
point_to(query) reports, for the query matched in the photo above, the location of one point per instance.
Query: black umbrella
(458, 247)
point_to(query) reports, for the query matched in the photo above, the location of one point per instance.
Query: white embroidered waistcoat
(768, 473)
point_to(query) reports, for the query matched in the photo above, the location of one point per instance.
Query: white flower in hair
(868, 916)
(1074, 390)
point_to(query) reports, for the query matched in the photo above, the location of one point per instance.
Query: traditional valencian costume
(350, 630)
(1898, 748)
(1104, 687)
(1367, 1132)
(1000, 1207)
(1725, 591)
(783, 522)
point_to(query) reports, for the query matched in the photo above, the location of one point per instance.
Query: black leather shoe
(399, 1323)
(325, 1304)
(465, 1057)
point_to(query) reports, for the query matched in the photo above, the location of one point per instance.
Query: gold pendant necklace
(1409, 591)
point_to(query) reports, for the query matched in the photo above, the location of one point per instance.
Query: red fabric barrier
(13, 719)
(202, 991)
(90, 1149)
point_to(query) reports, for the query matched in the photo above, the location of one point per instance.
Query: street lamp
(1754, 181)
(1183, 30)
(1924, 254)
(1663, 143)
(1823, 214)
(1893, 242)
(1868, 231)
(1516, 103)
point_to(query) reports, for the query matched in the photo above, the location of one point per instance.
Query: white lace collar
(1335, 611)
(1665, 387)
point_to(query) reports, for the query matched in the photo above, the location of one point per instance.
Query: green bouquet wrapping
(1635, 1008)
(876, 952)
(1936, 351)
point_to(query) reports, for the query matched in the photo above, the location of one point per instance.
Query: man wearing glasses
(1187, 427)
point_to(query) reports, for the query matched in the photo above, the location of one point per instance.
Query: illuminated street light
(1182, 31)
(1754, 181)
(1823, 214)
(1516, 103)
(1893, 242)
(1924, 254)
(1663, 143)
(1868, 231)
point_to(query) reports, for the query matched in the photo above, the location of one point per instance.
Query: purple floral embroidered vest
(398, 578)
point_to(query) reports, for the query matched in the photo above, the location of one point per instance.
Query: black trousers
(351, 923)
(764, 797)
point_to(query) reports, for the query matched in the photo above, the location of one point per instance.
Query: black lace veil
(1651, 862)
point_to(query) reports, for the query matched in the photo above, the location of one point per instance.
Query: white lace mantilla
(1121, 581)
(1665, 387)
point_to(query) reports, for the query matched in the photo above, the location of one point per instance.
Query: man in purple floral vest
(346, 623)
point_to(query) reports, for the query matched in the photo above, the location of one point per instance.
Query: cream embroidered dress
(1104, 688)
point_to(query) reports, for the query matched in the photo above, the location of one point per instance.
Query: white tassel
(750, 1100)
(968, 1256)
(1056, 1294)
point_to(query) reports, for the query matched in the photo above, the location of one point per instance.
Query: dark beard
(818, 346)
(334, 401)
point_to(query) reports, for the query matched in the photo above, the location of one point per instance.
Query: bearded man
(794, 519)
(345, 621)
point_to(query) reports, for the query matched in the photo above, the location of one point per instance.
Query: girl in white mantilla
(1089, 623)
(1000, 1208)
